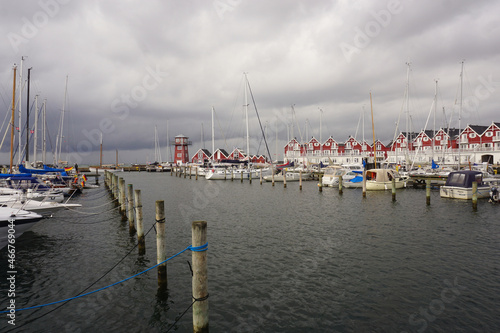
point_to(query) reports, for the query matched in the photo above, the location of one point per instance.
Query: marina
(280, 259)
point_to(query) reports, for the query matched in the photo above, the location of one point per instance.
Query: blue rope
(190, 247)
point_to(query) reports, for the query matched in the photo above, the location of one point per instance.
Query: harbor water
(279, 260)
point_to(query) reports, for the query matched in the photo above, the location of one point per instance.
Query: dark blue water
(280, 260)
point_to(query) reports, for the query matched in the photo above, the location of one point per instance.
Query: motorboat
(15, 222)
(459, 185)
(381, 179)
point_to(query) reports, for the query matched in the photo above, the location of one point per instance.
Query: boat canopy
(464, 178)
(380, 175)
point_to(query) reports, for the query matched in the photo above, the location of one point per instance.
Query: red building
(200, 156)
(491, 137)
(181, 155)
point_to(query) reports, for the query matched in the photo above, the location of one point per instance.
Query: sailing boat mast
(44, 141)
(19, 113)
(61, 124)
(12, 118)
(373, 130)
(100, 154)
(35, 137)
(28, 120)
(246, 116)
(213, 131)
(460, 113)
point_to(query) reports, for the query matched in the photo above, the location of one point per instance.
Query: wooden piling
(130, 206)
(393, 185)
(138, 218)
(241, 176)
(123, 198)
(185, 171)
(161, 246)
(190, 173)
(428, 192)
(284, 179)
(200, 277)
(364, 183)
(260, 176)
(340, 185)
(320, 182)
(300, 180)
(474, 196)
(250, 176)
(272, 176)
(196, 171)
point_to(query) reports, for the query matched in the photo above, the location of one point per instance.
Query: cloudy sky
(134, 65)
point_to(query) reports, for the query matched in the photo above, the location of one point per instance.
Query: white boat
(41, 207)
(459, 185)
(217, 174)
(290, 177)
(15, 221)
(353, 179)
(381, 179)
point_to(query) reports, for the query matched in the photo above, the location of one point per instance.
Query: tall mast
(434, 126)
(408, 136)
(19, 147)
(373, 130)
(35, 136)
(100, 153)
(44, 142)
(460, 113)
(246, 115)
(28, 120)
(320, 123)
(202, 137)
(213, 131)
(61, 126)
(12, 118)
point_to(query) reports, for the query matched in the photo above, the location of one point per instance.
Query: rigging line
(92, 284)
(89, 214)
(258, 117)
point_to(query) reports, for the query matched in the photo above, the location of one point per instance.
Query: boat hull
(456, 192)
(22, 221)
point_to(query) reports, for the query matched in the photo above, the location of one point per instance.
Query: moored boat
(459, 185)
(381, 179)
(15, 221)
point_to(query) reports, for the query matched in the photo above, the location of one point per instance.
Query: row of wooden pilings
(183, 170)
(130, 206)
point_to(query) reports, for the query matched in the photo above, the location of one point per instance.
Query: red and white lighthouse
(181, 149)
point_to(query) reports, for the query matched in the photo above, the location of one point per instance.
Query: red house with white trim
(200, 156)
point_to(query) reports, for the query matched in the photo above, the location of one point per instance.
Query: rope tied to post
(161, 221)
(200, 248)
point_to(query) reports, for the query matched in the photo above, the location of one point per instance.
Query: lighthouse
(181, 149)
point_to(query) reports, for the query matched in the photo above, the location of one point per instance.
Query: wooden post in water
(393, 189)
(474, 196)
(320, 182)
(171, 170)
(241, 176)
(200, 277)
(130, 213)
(260, 176)
(428, 192)
(284, 179)
(185, 171)
(272, 176)
(123, 198)
(340, 185)
(300, 180)
(161, 246)
(250, 176)
(196, 177)
(364, 183)
(190, 173)
(138, 218)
